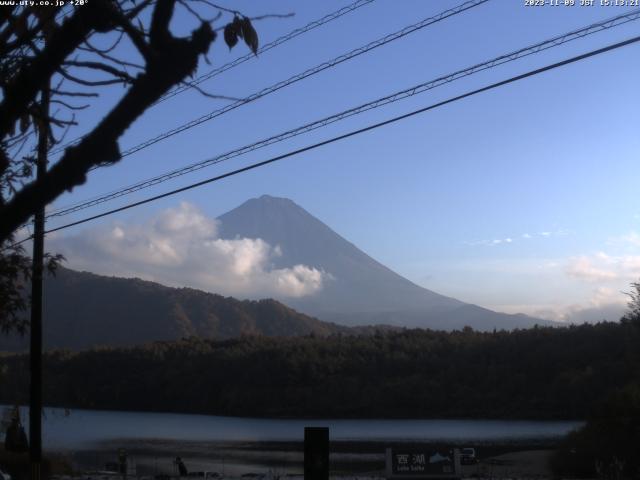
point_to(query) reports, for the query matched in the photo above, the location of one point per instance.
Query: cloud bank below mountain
(181, 247)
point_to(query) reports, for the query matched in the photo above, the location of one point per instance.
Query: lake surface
(86, 429)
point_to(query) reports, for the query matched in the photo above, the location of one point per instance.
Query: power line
(344, 136)
(292, 153)
(509, 57)
(249, 56)
(307, 73)
(267, 47)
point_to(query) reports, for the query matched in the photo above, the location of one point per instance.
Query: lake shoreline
(337, 446)
(79, 429)
(155, 456)
(90, 440)
(327, 418)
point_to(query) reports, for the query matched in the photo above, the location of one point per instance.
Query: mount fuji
(359, 290)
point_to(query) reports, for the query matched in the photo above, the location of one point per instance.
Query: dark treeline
(608, 446)
(540, 373)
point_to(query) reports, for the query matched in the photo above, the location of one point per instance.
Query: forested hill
(537, 373)
(83, 310)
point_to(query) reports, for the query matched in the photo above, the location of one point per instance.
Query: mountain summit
(358, 290)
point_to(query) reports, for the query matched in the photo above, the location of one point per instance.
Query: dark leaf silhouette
(250, 35)
(231, 35)
(237, 23)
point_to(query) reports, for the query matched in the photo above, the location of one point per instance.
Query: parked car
(468, 456)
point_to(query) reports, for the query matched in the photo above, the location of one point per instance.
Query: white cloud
(585, 268)
(180, 247)
(570, 289)
(631, 239)
(603, 267)
(603, 296)
(512, 239)
(602, 303)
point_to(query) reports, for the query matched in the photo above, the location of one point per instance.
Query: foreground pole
(35, 358)
(316, 453)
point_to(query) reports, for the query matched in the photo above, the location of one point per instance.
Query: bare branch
(20, 140)
(210, 95)
(219, 7)
(167, 67)
(273, 15)
(16, 26)
(237, 13)
(133, 12)
(74, 94)
(56, 141)
(101, 66)
(106, 50)
(136, 37)
(90, 83)
(22, 89)
(106, 56)
(61, 123)
(21, 146)
(186, 5)
(69, 106)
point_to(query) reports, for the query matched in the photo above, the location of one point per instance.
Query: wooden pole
(35, 358)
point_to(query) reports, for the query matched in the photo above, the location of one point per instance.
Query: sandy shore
(273, 459)
(518, 464)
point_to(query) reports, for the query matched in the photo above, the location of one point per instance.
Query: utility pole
(35, 357)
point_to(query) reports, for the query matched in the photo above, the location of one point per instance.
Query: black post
(35, 358)
(316, 453)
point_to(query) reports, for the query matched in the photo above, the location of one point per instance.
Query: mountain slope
(83, 309)
(361, 290)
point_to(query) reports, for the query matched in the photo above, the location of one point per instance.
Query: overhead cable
(353, 133)
(249, 56)
(305, 74)
(409, 92)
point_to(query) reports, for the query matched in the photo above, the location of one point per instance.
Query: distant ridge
(361, 290)
(84, 310)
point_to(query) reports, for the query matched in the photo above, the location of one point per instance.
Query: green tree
(609, 443)
(633, 314)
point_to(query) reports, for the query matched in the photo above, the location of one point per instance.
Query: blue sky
(519, 199)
